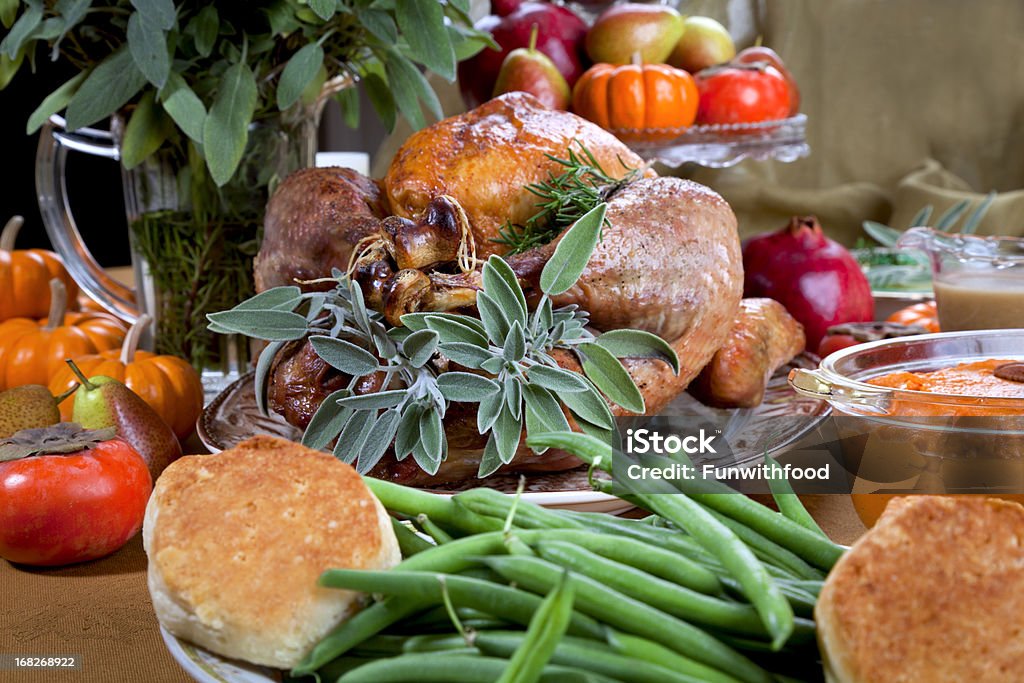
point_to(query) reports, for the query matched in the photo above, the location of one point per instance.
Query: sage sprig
(506, 360)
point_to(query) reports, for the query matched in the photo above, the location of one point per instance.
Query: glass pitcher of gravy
(978, 281)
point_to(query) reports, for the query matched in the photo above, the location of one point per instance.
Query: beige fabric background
(909, 102)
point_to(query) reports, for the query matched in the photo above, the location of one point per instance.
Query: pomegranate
(560, 34)
(814, 277)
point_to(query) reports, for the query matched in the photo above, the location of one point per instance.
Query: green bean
(800, 601)
(769, 551)
(439, 535)
(409, 542)
(658, 593)
(588, 655)
(625, 613)
(441, 509)
(429, 668)
(787, 499)
(652, 559)
(547, 627)
(501, 601)
(491, 503)
(737, 558)
(667, 539)
(450, 557)
(718, 539)
(381, 645)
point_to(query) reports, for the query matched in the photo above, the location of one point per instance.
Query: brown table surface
(101, 611)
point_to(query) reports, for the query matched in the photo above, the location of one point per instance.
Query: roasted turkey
(668, 262)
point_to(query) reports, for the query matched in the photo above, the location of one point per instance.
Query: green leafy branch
(209, 70)
(506, 354)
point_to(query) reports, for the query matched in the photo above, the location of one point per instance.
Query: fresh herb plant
(210, 69)
(517, 380)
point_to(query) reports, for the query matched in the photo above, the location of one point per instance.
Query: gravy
(980, 300)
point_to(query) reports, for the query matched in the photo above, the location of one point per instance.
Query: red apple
(560, 35)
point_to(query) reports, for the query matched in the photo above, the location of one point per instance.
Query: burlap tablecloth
(101, 611)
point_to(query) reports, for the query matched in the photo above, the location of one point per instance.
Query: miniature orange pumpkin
(31, 351)
(168, 384)
(24, 274)
(636, 100)
(925, 314)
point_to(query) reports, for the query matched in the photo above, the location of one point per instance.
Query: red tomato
(831, 343)
(60, 509)
(760, 53)
(742, 94)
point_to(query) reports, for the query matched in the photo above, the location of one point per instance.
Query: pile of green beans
(494, 588)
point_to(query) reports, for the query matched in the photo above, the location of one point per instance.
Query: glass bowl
(897, 441)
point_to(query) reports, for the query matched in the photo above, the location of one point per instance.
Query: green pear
(629, 28)
(527, 69)
(102, 401)
(30, 406)
(704, 43)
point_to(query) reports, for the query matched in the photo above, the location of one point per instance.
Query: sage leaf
(299, 72)
(276, 297)
(262, 376)
(493, 365)
(488, 411)
(419, 347)
(557, 379)
(22, 29)
(513, 393)
(327, 421)
(148, 45)
(466, 387)
(882, 234)
(451, 330)
(951, 215)
(184, 106)
(431, 434)
(266, 325)
(348, 102)
(547, 412)
(515, 344)
(379, 94)
(379, 23)
(490, 462)
(159, 13)
(543, 317)
(408, 434)
(465, 46)
(205, 28)
(344, 355)
(507, 430)
(974, 220)
(72, 12)
(609, 375)
(226, 130)
(418, 321)
(493, 317)
(573, 252)
(466, 355)
(408, 86)
(8, 12)
(376, 400)
(147, 129)
(422, 26)
(106, 89)
(500, 283)
(353, 436)
(428, 462)
(324, 9)
(638, 344)
(54, 102)
(377, 441)
(590, 406)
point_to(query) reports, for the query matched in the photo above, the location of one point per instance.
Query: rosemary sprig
(564, 199)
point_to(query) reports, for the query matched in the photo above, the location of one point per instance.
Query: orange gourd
(637, 101)
(32, 351)
(925, 314)
(171, 387)
(25, 274)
